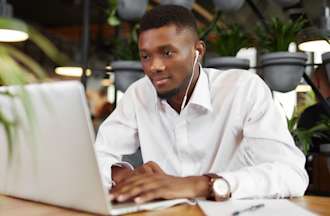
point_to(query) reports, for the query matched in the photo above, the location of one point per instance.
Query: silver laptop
(53, 161)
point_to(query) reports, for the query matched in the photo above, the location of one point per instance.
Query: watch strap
(212, 177)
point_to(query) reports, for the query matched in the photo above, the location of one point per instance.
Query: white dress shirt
(230, 126)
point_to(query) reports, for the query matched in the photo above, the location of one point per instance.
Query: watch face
(220, 187)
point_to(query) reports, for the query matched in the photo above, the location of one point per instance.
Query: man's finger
(144, 169)
(156, 168)
(151, 195)
(142, 188)
(132, 182)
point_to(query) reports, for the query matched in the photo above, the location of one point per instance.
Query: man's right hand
(121, 173)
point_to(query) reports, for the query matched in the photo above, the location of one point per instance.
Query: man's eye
(144, 56)
(168, 53)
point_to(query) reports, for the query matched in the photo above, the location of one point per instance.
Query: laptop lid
(54, 161)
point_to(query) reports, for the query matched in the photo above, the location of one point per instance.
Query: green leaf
(8, 127)
(303, 137)
(11, 73)
(26, 61)
(47, 47)
(231, 40)
(113, 21)
(279, 34)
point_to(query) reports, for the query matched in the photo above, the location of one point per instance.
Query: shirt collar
(201, 95)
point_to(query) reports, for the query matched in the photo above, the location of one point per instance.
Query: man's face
(167, 56)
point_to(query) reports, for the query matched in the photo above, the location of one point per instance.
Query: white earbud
(192, 76)
(196, 55)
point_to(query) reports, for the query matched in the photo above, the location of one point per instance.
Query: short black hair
(163, 15)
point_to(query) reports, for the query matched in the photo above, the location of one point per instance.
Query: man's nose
(157, 65)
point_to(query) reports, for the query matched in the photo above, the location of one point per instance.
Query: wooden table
(16, 207)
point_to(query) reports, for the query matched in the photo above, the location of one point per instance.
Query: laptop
(53, 161)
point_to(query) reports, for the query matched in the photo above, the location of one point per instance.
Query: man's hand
(149, 167)
(149, 186)
(121, 173)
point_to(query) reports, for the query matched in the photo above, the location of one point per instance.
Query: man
(315, 113)
(202, 132)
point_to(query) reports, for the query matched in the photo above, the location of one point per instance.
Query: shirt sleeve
(267, 163)
(117, 136)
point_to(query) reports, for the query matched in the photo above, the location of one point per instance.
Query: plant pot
(325, 148)
(225, 63)
(185, 3)
(286, 3)
(126, 72)
(131, 10)
(326, 62)
(282, 71)
(228, 5)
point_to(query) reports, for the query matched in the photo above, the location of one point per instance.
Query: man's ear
(201, 48)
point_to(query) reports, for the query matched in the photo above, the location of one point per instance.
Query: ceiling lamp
(72, 71)
(315, 46)
(317, 39)
(11, 30)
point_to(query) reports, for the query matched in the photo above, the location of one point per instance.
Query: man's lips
(160, 80)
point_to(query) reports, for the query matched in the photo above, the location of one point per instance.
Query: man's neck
(176, 101)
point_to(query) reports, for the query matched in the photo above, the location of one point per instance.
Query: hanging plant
(281, 70)
(279, 34)
(126, 46)
(230, 40)
(226, 43)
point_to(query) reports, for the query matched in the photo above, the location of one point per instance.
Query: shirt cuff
(121, 164)
(124, 164)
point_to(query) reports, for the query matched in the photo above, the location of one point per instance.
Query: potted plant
(303, 137)
(303, 132)
(124, 50)
(281, 70)
(17, 68)
(126, 64)
(228, 42)
(308, 140)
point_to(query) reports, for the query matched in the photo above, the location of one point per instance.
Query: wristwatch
(219, 188)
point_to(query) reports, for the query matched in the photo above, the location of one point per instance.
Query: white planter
(186, 3)
(131, 10)
(225, 63)
(228, 5)
(326, 62)
(126, 72)
(325, 148)
(282, 71)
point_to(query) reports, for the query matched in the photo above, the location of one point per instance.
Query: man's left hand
(146, 187)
